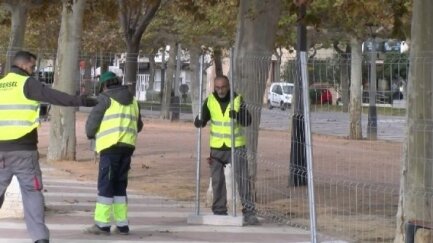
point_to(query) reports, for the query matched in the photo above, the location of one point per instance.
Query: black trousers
(113, 172)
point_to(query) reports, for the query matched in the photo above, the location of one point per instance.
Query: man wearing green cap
(114, 122)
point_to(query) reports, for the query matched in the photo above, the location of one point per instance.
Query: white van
(280, 95)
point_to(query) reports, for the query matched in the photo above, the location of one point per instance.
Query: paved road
(322, 122)
(336, 123)
(70, 206)
(328, 123)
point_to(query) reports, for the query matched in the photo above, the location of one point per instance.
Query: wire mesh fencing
(356, 181)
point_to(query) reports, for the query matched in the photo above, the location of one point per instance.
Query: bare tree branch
(123, 18)
(146, 18)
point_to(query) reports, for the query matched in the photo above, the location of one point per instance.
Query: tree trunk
(178, 70)
(344, 57)
(66, 78)
(86, 76)
(344, 79)
(168, 84)
(217, 57)
(194, 53)
(355, 90)
(256, 30)
(103, 62)
(151, 71)
(18, 28)
(130, 73)
(277, 70)
(416, 167)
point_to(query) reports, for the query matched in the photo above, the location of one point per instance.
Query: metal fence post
(309, 147)
(197, 179)
(232, 133)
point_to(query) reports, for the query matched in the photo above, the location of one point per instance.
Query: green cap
(106, 76)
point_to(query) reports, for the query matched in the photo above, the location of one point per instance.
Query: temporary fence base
(211, 219)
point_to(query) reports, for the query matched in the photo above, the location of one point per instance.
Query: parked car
(280, 95)
(320, 96)
(326, 97)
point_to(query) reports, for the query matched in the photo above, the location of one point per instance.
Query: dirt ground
(356, 181)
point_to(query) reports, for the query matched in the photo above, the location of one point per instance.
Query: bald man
(217, 109)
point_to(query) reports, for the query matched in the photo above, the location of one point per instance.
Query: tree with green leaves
(43, 28)
(19, 15)
(193, 24)
(356, 22)
(211, 32)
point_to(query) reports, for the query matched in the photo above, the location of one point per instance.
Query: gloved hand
(233, 114)
(199, 123)
(87, 101)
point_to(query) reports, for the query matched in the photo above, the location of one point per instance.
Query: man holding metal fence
(20, 97)
(114, 122)
(217, 109)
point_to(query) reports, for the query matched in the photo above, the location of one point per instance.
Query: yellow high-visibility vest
(119, 125)
(220, 130)
(18, 115)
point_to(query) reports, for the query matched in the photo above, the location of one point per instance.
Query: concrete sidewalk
(70, 205)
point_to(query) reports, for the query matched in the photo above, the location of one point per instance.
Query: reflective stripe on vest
(18, 115)
(119, 124)
(220, 129)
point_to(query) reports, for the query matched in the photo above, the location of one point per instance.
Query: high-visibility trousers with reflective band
(105, 206)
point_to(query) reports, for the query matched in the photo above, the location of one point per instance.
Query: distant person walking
(114, 123)
(216, 109)
(20, 97)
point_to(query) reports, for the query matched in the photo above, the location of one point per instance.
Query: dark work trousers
(219, 158)
(25, 166)
(113, 172)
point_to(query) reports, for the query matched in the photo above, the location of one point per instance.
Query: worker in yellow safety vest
(114, 122)
(217, 109)
(20, 97)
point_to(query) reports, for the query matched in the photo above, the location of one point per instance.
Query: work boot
(121, 230)
(96, 230)
(251, 219)
(42, 241)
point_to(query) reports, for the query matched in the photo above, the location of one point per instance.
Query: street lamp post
(372, 111)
